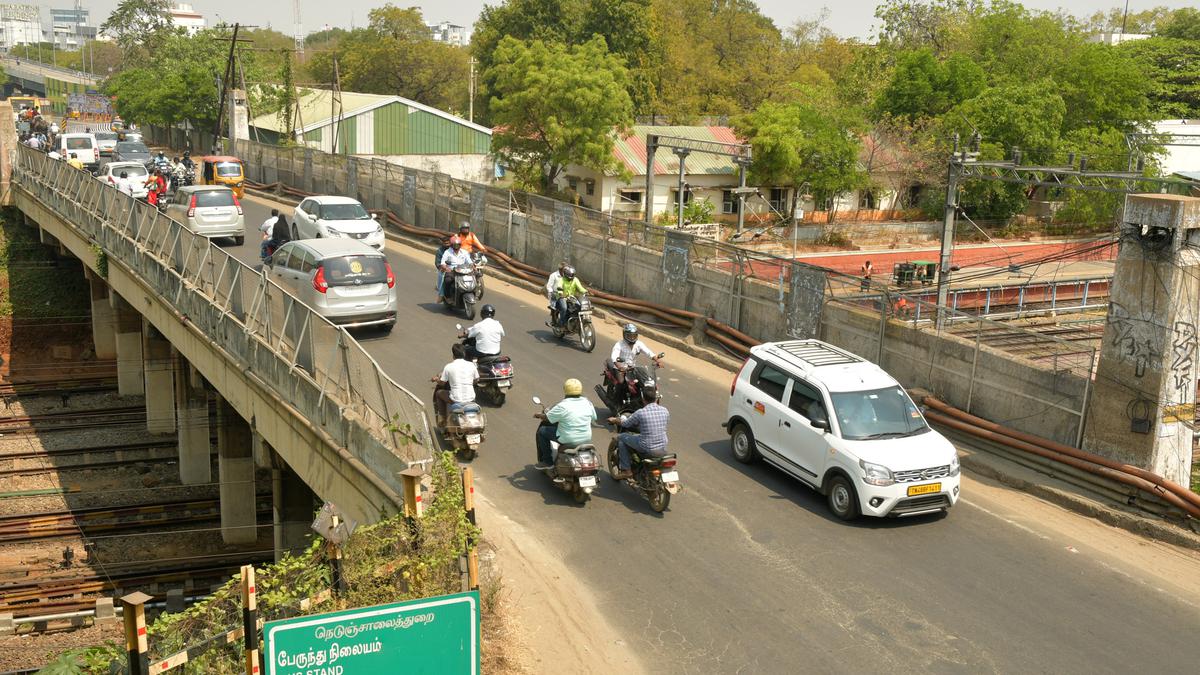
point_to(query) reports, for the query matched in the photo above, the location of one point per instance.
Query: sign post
(430, 635)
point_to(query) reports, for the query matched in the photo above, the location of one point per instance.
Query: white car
(345, 281)
(330, 217)
(209, 210)
(843, 426)
(135, 173)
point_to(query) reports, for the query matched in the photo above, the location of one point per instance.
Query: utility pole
(335, 104)
(471, 92)
(682, 154)
(225, 85)
(953, 174)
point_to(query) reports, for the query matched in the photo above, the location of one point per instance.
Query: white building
(449, 33)
(20, 25)
(1115, 39)
(185, 17)
(1185, 156)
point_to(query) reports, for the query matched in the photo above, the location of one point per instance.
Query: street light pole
(682, 153)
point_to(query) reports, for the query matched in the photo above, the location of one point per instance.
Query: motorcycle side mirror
(661, 355)
(458, 326)
(537, 401)
(374, 216)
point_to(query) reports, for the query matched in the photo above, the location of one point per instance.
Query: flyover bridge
(191, 326)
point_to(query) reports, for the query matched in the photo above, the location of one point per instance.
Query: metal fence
(306, 360)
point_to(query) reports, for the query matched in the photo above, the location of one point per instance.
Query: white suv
(842, 425)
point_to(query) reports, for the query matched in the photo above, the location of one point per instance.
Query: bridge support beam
(104, 319)
(130, 381)
(194, 434)
(160, 381)
(292, 508)
(235, 468)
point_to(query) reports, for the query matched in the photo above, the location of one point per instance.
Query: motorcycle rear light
(668, 464)
(655, 472)
(192, 207)
(237, 204)
(319, 282)
(391, 278)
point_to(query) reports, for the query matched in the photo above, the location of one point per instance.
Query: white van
(843, 426)
(84, 146)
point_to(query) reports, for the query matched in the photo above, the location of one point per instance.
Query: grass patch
(34, 282)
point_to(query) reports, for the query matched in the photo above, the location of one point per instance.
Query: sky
(850, 18)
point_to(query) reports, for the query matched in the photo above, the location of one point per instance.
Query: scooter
(461, 292)
(464, 428)
(654, 478)
(579, 322)
(575, 468)
(626, 398)
(495, 372)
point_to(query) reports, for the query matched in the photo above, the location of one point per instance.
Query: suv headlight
(876, 474)
(954, 466)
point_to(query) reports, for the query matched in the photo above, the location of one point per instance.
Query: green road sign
(432, 635)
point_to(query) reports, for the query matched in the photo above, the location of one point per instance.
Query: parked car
(135, 171)
(83, 145)
(343, 280)
(209, 210)
(107, 141)
(842, 425)
(131, 151)
(336, 217)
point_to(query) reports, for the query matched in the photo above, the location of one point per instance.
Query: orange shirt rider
(470, 243)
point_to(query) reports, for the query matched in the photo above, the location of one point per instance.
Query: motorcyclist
(624, 355)
(124, 184)
(270, 242)
(187, 160)
(470, 242)
(455, 384)
(568, 287)
(552, 282)
(570, 422)
(649, 438)
(486, 334)
(451, 258)
(157, 186)
(161, 162)
(177, 172)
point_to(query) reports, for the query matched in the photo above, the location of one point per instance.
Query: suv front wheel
(742, 441)
(843, 499)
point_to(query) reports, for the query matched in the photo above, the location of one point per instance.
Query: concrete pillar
(104, 320)
(130, 381)
(235, 468)
(191, 411)
(160, 381)
(292, 509)
(1143, 403)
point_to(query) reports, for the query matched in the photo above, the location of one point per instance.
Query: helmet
(572, 387)
(455, 241)
(568, 272)
(464, 225)
(630, 333)
(487, 311)
(187, 153)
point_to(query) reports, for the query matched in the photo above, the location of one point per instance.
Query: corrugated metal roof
(316, 110)
(1189, 175)
(631, 151)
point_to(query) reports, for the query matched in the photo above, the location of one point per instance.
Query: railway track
(73, 419)
(88, 385)
(90, 522)
(93, 449)
(83, 466)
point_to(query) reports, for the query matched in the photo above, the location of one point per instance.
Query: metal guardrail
(307, 361)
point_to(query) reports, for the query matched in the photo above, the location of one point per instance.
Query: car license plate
(504, 384)
(929, 488)
(670, 477)
(587, 481)
(473, 438)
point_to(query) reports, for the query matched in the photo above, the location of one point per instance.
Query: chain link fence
(313, 364)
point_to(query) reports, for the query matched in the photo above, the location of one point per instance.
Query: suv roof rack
(817, 353)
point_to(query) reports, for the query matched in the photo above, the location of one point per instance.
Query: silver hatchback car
(210, 211)
(344, 280)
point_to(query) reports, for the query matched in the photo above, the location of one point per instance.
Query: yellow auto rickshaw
(222, 170)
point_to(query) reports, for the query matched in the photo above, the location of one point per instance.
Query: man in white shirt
(123, 184)
(486, 333)
(456, 383)
(624, 356)
(451, 258)
(552, 282)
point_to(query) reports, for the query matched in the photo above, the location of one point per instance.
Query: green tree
(1103, 88)
(555, 105)
(934, 24)
(1184, 24)
(137, 24)
(1171, 68)
(921, 86)
(812, 142)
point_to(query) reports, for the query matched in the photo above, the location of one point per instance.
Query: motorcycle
(462, 284)
(654, 478)
(189, 176)
(480, 261)
(464, 428)
(627, 398)
(579, 322)
(575, 468)
(495, 372)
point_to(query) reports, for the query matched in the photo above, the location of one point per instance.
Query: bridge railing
(309, 362)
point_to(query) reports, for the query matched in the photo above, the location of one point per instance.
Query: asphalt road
(747, 571)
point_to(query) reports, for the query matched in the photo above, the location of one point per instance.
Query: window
(687, 197)
(779, 199)
(303, 261)
(79, 143)
(573, 184)
(878, 413)
(355, 269)
(229, 169)
(591, 187)
(280, 258)
(213, 198)
(770, 381)
(629, 196)
(343, 212)
(866, 200)
(807, 401)
(729, 202)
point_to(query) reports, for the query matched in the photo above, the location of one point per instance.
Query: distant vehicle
(222, 170)
(842, 425)
(209, 210)
(345, 281)
(107, 141)
(328, 216)
(84, 146)
(131, 151)
(136, 173)
(131, 136)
